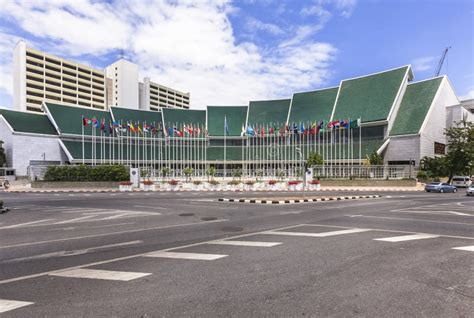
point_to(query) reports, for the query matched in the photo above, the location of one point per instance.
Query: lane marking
(404, 238)
(150, 207)
(246, 243)
(20, 278)
(324, 234)
(7, 305)
(390, 231)
(70, 228)
(24, 224)
(112, 233)
(182, 255)
(72, 253)
(100, 274)
(405, 219)
(465, 248)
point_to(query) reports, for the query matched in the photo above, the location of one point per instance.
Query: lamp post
(298, 151)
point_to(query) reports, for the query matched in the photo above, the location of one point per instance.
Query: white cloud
(254, 24)
(189, 45)
(423, 64)
(469, 94)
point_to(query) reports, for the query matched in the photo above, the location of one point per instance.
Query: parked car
(470, 190)
(440, 187)
(461, 181)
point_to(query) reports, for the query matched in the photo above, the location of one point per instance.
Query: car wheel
(441, 191)
(455, 190)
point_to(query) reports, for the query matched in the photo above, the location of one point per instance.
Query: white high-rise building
(38, 77)
(124, 76)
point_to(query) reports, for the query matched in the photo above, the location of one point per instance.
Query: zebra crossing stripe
(7, 305)
(245, 243)
(99, 274)
(181, 255)
(323, 234)
(465, 248)
(404, 238)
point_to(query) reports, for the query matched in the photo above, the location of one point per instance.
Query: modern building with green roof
(400, 119)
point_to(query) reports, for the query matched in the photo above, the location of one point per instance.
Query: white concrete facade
(125, 84)
(38, 77)
(156, 96)
(23, 150)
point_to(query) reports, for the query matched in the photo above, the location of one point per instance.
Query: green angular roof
(182, 117)
(235, 116)
(369, 97)
(415, 105)
(125, 115)
(28, 122)
(268, 111)
(313, 106)
(69, 118)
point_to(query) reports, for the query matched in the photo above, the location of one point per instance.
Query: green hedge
(87, 173)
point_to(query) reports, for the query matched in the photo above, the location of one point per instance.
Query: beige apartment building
(39, 76)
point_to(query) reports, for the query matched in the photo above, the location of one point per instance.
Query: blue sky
(227, 53)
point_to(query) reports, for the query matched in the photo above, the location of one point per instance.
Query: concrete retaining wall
(73, 185)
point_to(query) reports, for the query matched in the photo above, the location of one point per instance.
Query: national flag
(197, 131)
(170, 131)
(271, 130)
(177, 132)
(344, 124)
(295, 129)
(355, 123)
(250, 131)
(102, 124)
(86, 121)
(242, 132)
(262, 132)
(131, 127)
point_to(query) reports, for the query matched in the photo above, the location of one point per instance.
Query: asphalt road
(185, 254)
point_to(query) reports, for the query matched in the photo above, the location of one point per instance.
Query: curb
(299, 200)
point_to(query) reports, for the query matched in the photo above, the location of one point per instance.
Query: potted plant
(292, 185)
(249, 185)
(197, 185)
(314, 185)
(125, 186)
(188, 171)
(233, 185)
(173, 185)
(165, 171)
(148, 185)
(273, 185)
(213, 185)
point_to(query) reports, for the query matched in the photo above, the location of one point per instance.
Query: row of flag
(310, 128)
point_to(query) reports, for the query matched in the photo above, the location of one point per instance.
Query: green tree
(460, 144)
(434, 167)
(375, 159)
(211, 172)
(314, 159)
(188, 171)
(3, 158)
(237, 173)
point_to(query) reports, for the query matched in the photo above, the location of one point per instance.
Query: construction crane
(441, 61)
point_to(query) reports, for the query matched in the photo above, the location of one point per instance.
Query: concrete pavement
(186, 254)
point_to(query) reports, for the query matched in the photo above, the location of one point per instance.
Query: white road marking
(70, 228)
(390, 231)
(75, 220)
(111, 233)
(150, 207)
(465, 248)
(7, 305)
(324, 234)
(405, 219)
(246, 243)
(73, 253)
(180, 255)
(404, 238)
(100, 274)
(24, 224)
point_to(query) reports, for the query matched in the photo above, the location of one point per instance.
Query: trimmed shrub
(87, 173)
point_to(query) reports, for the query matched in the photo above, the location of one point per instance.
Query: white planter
(172, 187)
(188, 186)
(214, 187)
(314, 187)
(249, 187)
(197, 187)
(125, 188)
(299, 187)
(233, 187)
(148, 187)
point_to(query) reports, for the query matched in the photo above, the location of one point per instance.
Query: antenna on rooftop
(441, 61)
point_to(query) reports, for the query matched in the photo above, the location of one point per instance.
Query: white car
(470, 190)
(461, 181)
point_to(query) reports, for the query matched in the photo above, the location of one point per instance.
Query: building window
(439, 148)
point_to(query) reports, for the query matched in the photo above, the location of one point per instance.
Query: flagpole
(82, 139)
(360, 143)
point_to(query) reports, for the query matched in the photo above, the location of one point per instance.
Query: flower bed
(125, 186)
